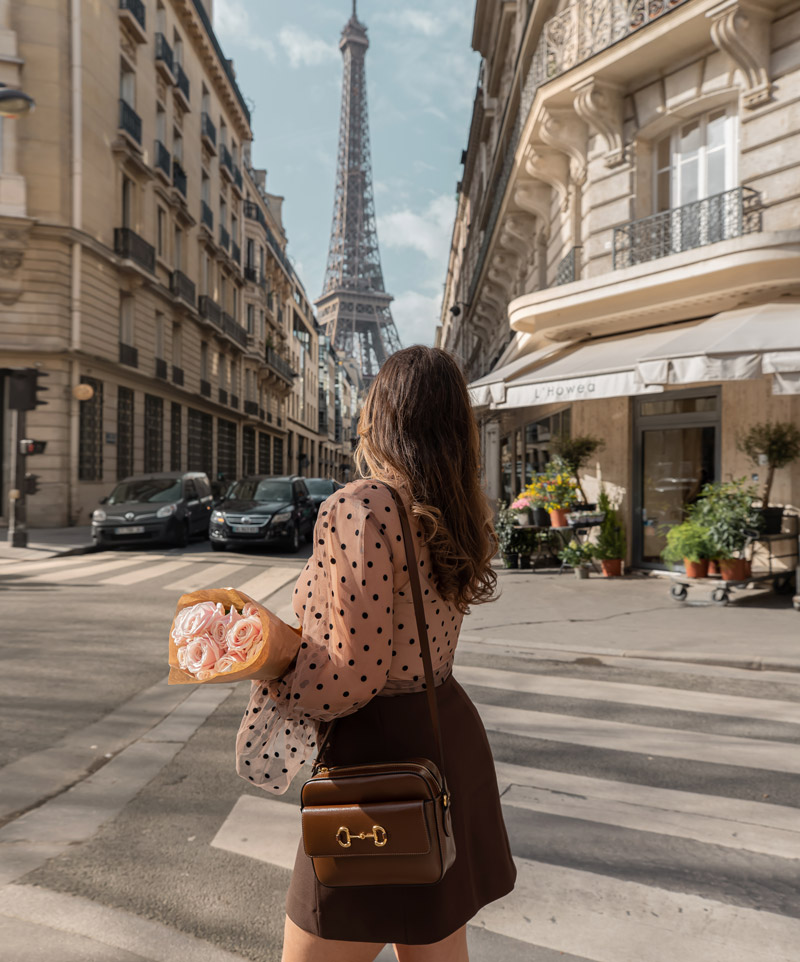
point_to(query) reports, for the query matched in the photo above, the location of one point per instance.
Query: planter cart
(721, 591)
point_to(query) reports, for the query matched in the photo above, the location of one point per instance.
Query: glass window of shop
(538, 439)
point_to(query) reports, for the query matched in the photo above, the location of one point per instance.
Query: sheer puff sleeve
(344, 600)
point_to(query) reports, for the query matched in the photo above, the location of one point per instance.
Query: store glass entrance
(676, 453)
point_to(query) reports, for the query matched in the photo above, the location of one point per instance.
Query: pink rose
(219, 625)
(231, 660)
(202, 654)
(195, 620)
(244, 634)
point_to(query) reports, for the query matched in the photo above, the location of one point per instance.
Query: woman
(360, 663)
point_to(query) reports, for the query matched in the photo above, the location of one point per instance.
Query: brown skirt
(391, 729)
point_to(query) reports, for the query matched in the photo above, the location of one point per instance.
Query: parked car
(168, 506)
(320, 489)
(262, 510)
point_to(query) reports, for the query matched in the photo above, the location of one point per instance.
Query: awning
(491, 388)
(736, 345)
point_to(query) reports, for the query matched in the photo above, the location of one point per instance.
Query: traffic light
(29, 446)
(31, 485)
(24, 388)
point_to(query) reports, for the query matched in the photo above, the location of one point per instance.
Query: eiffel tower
(354, 306)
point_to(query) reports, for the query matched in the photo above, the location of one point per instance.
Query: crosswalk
(257, 577)
(653, 818)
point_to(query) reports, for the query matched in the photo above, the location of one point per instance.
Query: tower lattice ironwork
(354, 306)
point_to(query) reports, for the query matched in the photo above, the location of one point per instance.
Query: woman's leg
(451, 949)
(302, 946)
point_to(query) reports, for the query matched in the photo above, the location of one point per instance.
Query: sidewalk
(635, 617)
(48, 542)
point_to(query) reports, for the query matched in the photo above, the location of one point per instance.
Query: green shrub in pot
(690, 541)
(725, 508)
(776, 444)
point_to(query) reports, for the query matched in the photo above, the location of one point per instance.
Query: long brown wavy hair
(417, 427)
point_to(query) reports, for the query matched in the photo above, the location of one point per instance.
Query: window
(250, 253)
(223, 292)
(223, 212)
(175, 439)
(126, 320)
(177, 146)
(223, 133)
(226, 449)
(277, 455)
(127, 84)
(158, 340)
(90, 444)
(177, 249)
(222, 371)
(161, 124)
(161, 233)
(177, 345)
(250, 313)
(200, 438)
(153, 433)
(124, 432)
(161, 19)
(205, 189)
(235, 311)
(204, 273)
(177, 48)
(262, 327)
(248, 451)
(264, 453)
(204, 361)
(127, 202)
(234, 229)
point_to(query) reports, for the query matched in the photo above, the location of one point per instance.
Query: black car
(168, 506)
(320, 489)
(262, 510)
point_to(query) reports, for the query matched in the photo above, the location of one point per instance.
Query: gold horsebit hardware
(378, 834)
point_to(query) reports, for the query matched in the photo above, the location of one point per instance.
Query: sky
(421, 76)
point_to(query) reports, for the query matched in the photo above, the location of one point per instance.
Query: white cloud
(418, 21)
(428, 232)
(304, 50)
(416, 316)
(232, 25)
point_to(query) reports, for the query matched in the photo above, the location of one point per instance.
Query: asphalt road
(639, 799)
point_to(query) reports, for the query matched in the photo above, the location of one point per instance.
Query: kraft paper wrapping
(271, 659)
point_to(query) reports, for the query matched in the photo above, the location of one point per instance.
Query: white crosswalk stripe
(144, 574)
(205, 576)
(601, 914)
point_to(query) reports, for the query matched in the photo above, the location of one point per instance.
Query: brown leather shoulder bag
(387, 823)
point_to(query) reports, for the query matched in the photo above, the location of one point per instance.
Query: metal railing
(209, 309)
(162, 158)
(237, 178)
(702, 222)
(225, 159)
(164, 52)
(278, 364)
(205, 388)
(129, 245)
(206, 215)
(234, 401)
(251, 407)
(207, 128)
(182, 81)
(177, 375)
(178, 177)
(233, 330)
(222, 394)
(224, 237)
(568, 268)
(130, 121)
(136, 9)
(251, 273)
(128, 355)
(161, 368)
(236, 252)
(182, 287)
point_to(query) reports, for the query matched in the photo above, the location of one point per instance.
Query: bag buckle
(378, 834)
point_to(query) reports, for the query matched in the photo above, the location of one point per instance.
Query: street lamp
(14, 103)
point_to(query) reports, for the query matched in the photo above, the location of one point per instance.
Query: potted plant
(611, 544)
(524, 544)
(524, 510)
(774, 444)
(576, 453)
(506, 529)
(556, 490)
(726, 510)
(689, 543)
(577, 556)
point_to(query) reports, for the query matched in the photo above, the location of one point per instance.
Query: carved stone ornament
(564, 131)
(517, 235)
(161, 90)
(534, 197)
(552, 167)
(14, 236)
(600, 106)
(741, 30)
(127, 46)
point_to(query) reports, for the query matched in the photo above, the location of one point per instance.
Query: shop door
(676, 452)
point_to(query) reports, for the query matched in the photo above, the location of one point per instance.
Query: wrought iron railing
(237, 178)
(206, 215)
(182, 81)
(224, 237)
(251, 407)
(707, 221)
(207, 128)
(128, 355)
(130, 121)
(234, 401)
(136, 9)
(177, 375)
(223, 396)
(164, 52)
(129, 245)
(205, 388)
(278, 364)
(178, 177)
(568, 268)
(225, 159)
(161, 368)
(162, 158)
(251, 273)
(182, 287)
(233, 330)
(209, 309)
(236, 252)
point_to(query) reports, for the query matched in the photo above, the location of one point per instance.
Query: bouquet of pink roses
(220, 635)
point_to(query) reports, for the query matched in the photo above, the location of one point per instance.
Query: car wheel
(293, 544)
(182, 535)
(218, 546)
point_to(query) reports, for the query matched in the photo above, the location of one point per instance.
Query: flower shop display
(524, 510)
(726, 510)
(611, 545)
(220, 635)
(505, 528)
(556, 490)
(576, 453)
(689, 543)
(776, 445)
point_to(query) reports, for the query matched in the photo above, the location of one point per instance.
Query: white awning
(736, 345)
(491, 388)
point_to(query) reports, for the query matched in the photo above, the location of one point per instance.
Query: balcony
(206, 216)
(165, 63)
(130, 123)
(161, 368)
(208, 132)
(210, 310)
(179, 178)
(568, 269)
(129, 246)
(181, 286)
(163, 161)
(251, 407)
(225, 162)
(281, 367)
(235, 401)
(707, 221)
(224, 237)
(223, 396)
(177, 375)
(128, 355)
(251, 274)
(205, 388)
(182, 86)
(236, 253)
(237, 180)
(234, 331)
(132, 14)
(254, 212)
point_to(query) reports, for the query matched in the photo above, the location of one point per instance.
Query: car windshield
(319, 486)
(146, 490)
(255, 489)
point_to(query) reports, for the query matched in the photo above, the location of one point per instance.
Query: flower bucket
(612, 568)
(581, 573)
(558, 518)
(524, 517)
(541, 518)
(735, 569)
(696, 569)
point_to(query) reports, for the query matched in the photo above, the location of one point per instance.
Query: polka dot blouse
(354, 603)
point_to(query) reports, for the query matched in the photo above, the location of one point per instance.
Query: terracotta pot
(735, 569)
(696, 569)
(713, 567)
(612, 568)
(558, 518)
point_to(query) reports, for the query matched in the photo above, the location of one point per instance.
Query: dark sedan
(263, 511)
(320, 489)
